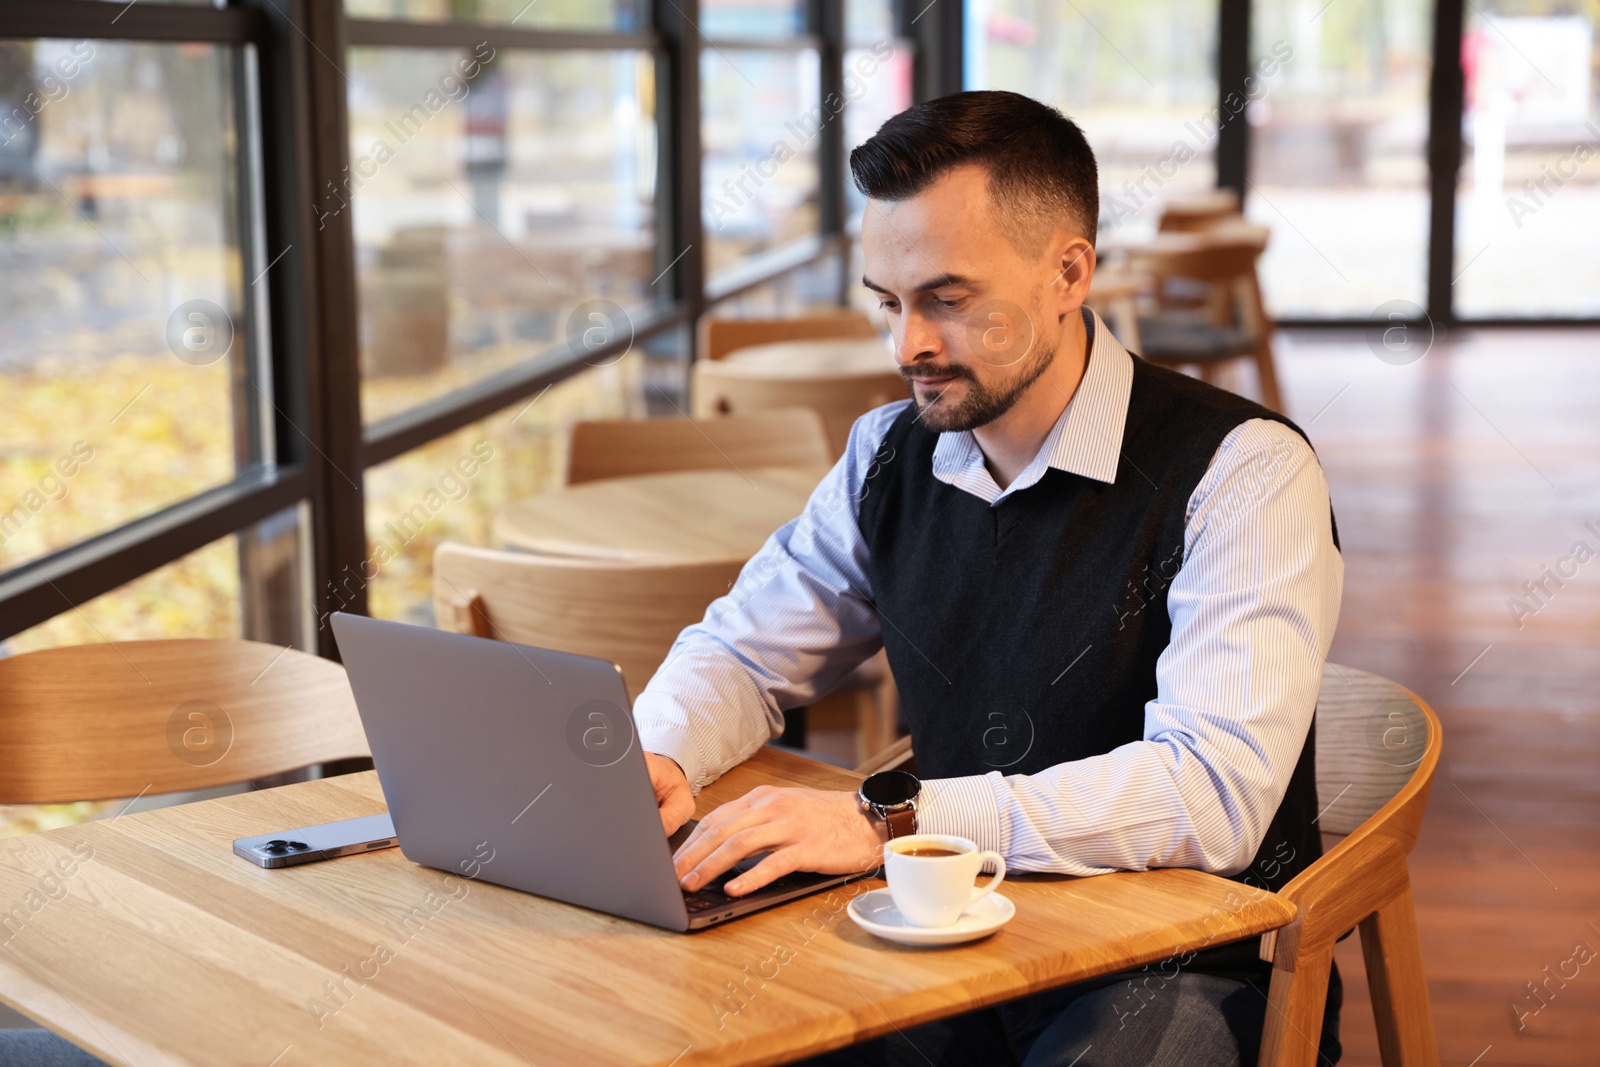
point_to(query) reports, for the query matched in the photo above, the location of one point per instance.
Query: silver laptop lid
(515, 765)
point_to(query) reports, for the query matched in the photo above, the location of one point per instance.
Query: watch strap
(902, 821)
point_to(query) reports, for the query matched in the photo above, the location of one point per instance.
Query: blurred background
(268, 270)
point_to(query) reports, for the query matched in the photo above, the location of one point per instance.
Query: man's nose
(918, 343)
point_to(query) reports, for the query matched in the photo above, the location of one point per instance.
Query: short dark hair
(1041, 168)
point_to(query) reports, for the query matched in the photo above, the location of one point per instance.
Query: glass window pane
(528, 14)
(877, 86)
(867, 21)
(495, 195)
(1338, 160)
(198, 595)
(451, 488)
(764, 19)
(1528, 201)
(1140, 78)
(126, 378)
(812, 287)
(762, 114)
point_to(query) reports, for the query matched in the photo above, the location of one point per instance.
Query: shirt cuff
(962, 807)
(677, 746)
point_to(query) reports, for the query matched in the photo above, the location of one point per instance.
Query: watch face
(888, 788)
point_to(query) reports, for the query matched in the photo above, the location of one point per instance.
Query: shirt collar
(1086, 439)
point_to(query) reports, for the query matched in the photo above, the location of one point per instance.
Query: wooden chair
(719, 336)
(1377, 749)
(1232, 325)
(126, 718)
(1199, 211)
(723, 388)
(793, 437)
(627, 613)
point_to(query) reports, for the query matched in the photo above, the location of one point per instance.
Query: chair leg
(1400, 1002)
(1295, 1004)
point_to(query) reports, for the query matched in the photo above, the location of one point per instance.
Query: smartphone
(325, 841)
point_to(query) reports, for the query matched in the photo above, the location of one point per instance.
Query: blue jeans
(41, 1048)
(1190, 1020)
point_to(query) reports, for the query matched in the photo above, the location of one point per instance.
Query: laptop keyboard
(711, 895)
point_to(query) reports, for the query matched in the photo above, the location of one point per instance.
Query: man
(1106, 590)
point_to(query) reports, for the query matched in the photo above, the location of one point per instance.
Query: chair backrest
(627, 613)
(1199, 211)
(721, 388)
(1224, 260)
(1374, 739)
(792, 437)
(719, 336)
(120, 719)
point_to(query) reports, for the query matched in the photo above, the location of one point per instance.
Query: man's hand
(804, 829)
(673, 795)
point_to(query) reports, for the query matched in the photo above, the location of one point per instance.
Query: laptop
(520, 766)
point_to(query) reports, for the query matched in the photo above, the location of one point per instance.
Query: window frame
(311, 303)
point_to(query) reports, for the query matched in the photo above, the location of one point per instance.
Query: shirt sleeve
(797, 620)
(1253, 611)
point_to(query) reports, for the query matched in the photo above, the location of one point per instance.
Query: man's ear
(1074, 260)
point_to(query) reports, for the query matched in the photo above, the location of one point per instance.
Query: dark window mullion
(96, 20)
(46, 587)
(1233, 68)
(1445, 100)
(396, 34)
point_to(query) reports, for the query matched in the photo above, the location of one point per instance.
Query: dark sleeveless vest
(1026, 634)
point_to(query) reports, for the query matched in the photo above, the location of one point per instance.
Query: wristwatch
(890, 797)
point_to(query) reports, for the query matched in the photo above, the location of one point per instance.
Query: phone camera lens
(275, 848)
(297, 846)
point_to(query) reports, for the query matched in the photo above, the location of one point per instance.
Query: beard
(983, 404)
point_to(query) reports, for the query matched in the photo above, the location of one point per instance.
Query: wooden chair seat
(1231, 322)
(1178, 338)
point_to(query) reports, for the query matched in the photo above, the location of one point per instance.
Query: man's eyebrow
(933, 283)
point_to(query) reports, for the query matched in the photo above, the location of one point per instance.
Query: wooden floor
(1456, 480)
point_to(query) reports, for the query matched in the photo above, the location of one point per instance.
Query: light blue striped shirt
(1253, 610)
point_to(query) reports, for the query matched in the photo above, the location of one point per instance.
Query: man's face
(967, 308)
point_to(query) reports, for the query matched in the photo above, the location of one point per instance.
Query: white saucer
(875, 913)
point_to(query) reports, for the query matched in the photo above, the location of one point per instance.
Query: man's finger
(737, 846)
(783, 861)
(714, 829)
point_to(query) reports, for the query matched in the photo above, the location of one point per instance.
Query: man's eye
(952, 304)
(888, 305)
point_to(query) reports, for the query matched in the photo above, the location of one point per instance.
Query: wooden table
(791, 360)
(163, 948)
(681, 517)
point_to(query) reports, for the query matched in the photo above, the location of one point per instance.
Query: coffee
(936, 894)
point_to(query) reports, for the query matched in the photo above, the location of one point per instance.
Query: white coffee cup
(931, 875)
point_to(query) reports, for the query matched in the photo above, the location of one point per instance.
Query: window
(1139, 78)
(451, 488)
(1338, 164)
(499, 194)
(761, 133)
(197, 595)
(128, 286)
(1528, 202)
